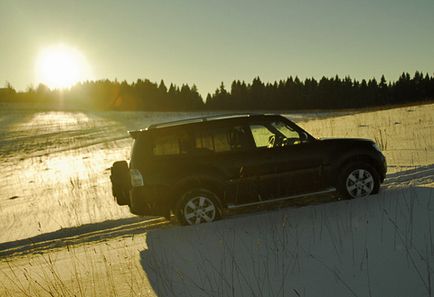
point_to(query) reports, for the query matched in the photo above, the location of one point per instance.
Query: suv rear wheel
(358, 180)
(198, 206)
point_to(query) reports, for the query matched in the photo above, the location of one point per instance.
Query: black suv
(199, 168)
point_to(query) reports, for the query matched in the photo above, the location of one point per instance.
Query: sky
(206, 42)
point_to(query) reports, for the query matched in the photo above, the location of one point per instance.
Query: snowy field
(63, 235)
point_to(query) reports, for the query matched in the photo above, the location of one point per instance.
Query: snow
(55, 192)
(381, 246)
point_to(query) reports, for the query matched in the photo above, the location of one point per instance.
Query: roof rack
(199, 119)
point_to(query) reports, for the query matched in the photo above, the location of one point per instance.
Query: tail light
(136, 178)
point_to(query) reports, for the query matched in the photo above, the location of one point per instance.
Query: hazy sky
(206, 42)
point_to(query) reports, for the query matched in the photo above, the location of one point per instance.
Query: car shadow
(244, 255)
(422, 175)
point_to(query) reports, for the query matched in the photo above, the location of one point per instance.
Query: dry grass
(104, 269)
(406, 135)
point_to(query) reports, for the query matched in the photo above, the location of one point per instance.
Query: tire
(358, 180)
(121, 183)
(198, 206)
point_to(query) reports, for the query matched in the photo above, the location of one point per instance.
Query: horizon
(204, 43)
(227, 87)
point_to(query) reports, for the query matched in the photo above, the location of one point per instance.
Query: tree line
(289, 94)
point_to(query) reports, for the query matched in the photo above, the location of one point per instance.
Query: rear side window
(221, 139)
(171, 143)
(140, 150)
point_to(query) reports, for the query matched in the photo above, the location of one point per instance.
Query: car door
(295, 160)
(228, 148)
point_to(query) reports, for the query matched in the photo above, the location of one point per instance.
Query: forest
(288, 94)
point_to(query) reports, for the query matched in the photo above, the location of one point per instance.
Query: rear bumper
(148, 201)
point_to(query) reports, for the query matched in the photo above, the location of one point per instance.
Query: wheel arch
(211, 183)
(365, 158)
(365, 162)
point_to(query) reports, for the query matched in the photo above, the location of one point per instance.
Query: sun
(61, 66)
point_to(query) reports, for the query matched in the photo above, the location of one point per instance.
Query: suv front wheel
(358, 180)
(198, 206)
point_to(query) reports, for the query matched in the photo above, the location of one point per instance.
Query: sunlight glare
(61, 66)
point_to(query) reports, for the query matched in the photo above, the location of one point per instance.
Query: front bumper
(383, 170)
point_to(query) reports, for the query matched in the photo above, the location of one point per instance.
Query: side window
(213, 141)
(262, 135)
(170, 144)
(222, 139)
(140, 150)
(274, 134)
(239, 138)
(286, 131)
(204, 142)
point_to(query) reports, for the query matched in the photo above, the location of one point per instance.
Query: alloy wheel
(360, 183)
(198, 210)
